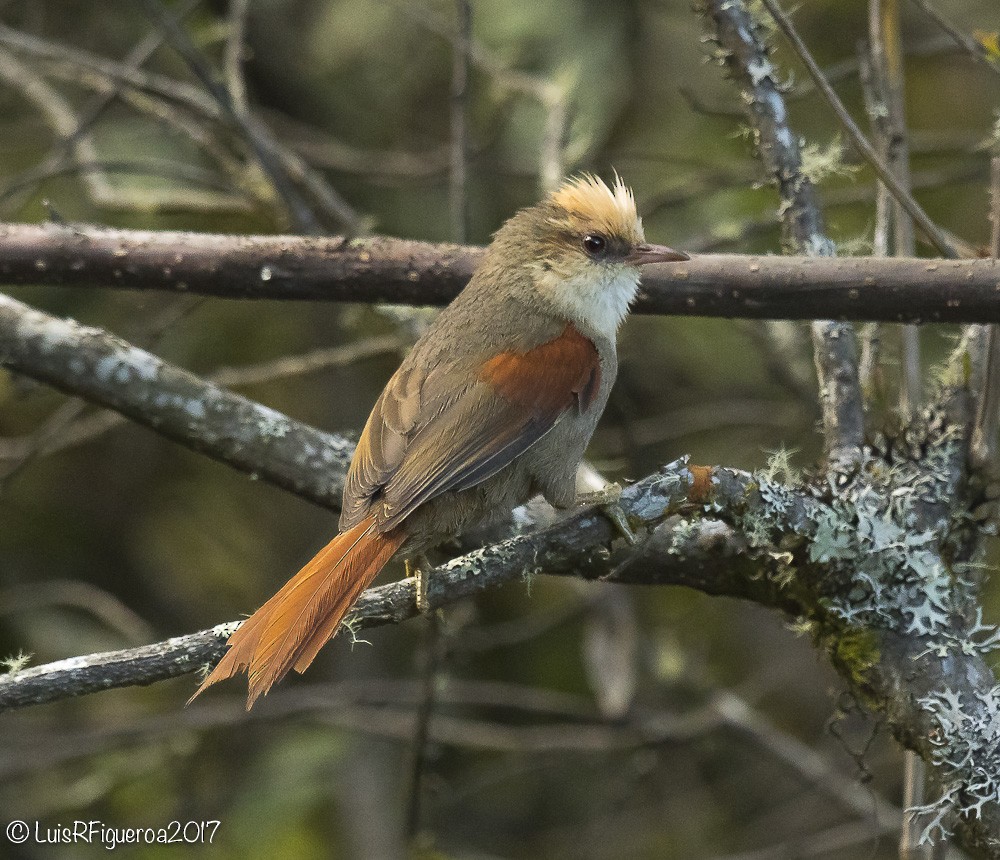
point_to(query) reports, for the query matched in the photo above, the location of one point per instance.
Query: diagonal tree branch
(835, 350)
(861, 143)
(564, 547)
(106, 370)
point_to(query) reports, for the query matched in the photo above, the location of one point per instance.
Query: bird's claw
(419, 569)
(609, 502)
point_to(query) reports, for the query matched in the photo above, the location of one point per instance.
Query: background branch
(403, 271)
(834, 347)
(103, 369)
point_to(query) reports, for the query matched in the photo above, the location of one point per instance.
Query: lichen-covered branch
(886, 564)
(571, 546)
(899, 191)
(747, 57)
(847, 560)
(402, 271)
(95, 365)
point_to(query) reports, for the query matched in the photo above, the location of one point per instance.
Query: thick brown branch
(401, 271)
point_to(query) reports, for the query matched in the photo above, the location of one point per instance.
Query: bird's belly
(548, 467)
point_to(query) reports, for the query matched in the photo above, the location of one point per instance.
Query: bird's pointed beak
(644, 254)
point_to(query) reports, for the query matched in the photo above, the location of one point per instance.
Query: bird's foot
(609, 502)
(419, 568)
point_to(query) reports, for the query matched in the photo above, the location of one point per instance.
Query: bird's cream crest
(593, 290)
(591, 204)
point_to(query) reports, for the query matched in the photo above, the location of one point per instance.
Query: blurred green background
(570, 720)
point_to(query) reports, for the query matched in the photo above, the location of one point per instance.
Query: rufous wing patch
(548, 379)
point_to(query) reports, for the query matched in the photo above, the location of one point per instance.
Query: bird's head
(583, 246)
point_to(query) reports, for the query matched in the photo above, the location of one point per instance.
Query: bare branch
(162, 86)
(459, 120)
(233, 59)
(886, 109)
(91, 113)
(402, 271)
(260, 142)
(61, 118)
(964, 41)
(884, 29)
(986, 429)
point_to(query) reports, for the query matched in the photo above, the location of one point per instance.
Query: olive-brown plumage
(494, 404)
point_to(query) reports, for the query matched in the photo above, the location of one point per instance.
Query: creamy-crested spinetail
(494, 404)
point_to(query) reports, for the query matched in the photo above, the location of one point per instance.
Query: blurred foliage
(361, 89)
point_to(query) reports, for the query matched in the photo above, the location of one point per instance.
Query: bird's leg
(608, 500)
(419, 568)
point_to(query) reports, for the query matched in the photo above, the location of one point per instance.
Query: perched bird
(493, 405)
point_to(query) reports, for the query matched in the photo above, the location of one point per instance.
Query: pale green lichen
(821, 162)
(967, 753)
(352, 624)
(882, 538)
(779, 467)
(14, 663)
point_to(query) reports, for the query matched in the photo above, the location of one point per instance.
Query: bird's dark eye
(595, 244)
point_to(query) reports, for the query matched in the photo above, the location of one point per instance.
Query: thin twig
(835, 73)
(964, 41)
(548, 93)
(914, 777)
(870, 366)
(930, 229)
(63, 422)
(286, 367)
(884, 28)
(232, 62)
(986, 429)
(81, 62)
(62, 118)
(95, 109)
(259, 142)
(458, 198)
(381, 166)
(834, 347)
(51, 429)
(97, 602)
(175, 103)
(215, 196)
(432, 658)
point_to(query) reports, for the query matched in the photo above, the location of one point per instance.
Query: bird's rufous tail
(288, 631)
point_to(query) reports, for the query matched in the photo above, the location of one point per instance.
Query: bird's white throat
(598, 296)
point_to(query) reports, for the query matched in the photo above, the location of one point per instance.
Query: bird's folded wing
(453, 426)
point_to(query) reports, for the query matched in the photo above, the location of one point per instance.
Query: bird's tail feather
(288, 631)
